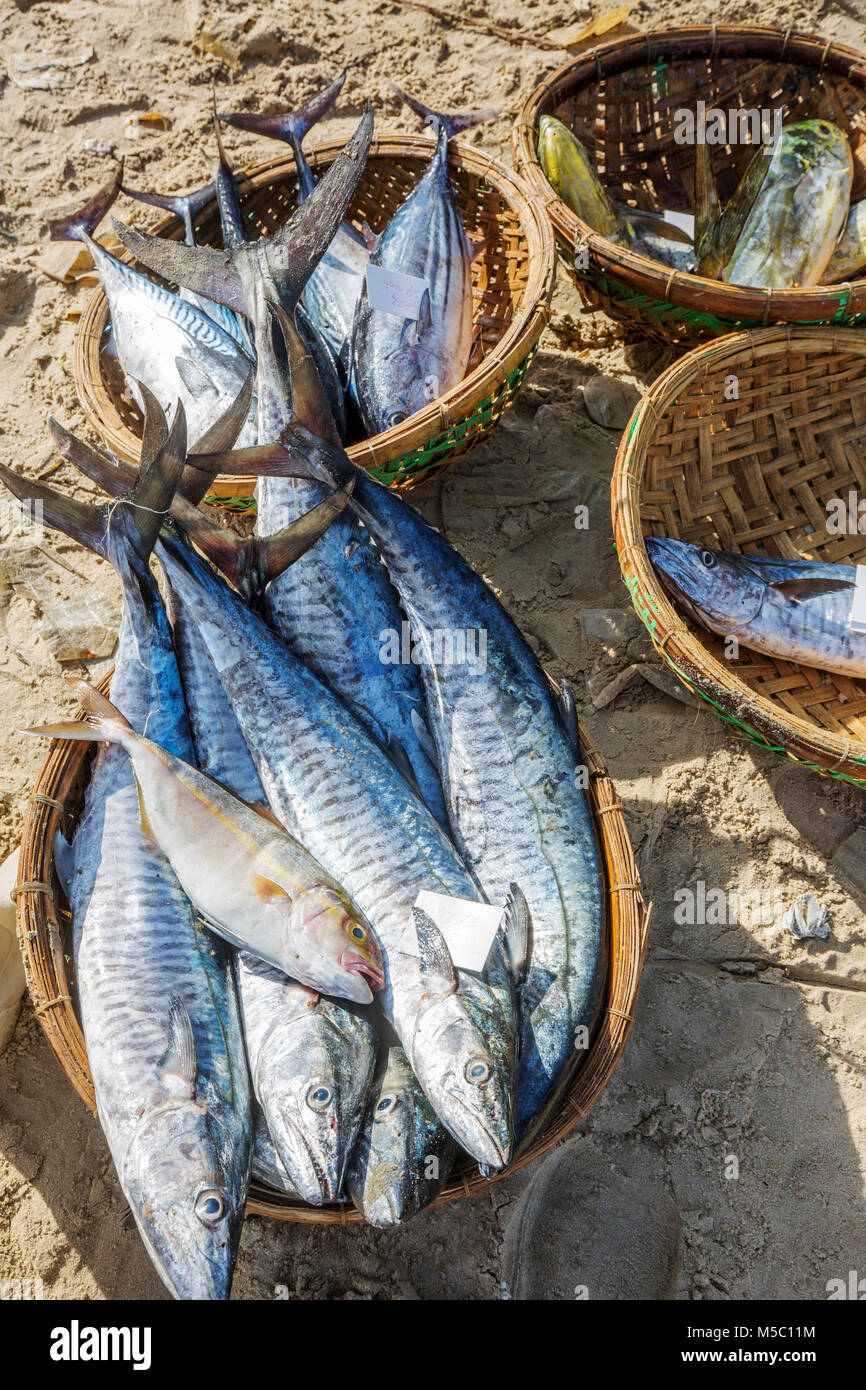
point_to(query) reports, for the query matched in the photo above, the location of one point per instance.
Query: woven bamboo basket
(620, 100)
(752, 475)
(512, 282)
(44, 927)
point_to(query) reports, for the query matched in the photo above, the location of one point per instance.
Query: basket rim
(446, 411)
(700, 670)
(645, 276)
(627, 922)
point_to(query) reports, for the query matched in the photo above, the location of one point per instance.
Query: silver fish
(156, 997)
(399, 365)
(332, 291)
(161, 340)
(508, 757)
(311, 1062)
(271, 271)
(799, 610)
(403, 1156)
(340, 793)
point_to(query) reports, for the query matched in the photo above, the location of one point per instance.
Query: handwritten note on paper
(393, 292)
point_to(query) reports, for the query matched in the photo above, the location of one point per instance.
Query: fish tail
(228, 198)
(290, 126)
(186, 206)
(103, 722)
(83, 223)
(453, 122)
(292, 253)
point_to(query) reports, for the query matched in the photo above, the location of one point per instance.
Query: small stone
(609, 402)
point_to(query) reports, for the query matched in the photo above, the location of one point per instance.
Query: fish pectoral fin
(798, 589)
(515, 933)
(434, 956)
(195, 378)
(176, 1067)
(147, 828)
(267, 889)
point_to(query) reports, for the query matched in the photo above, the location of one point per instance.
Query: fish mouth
(480, 1140)
(368, 969)
(316, 1182)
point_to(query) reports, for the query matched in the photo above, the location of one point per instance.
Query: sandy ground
(748, 1046)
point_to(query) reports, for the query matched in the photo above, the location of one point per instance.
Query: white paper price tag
(468, 928)
(857, 616)
(684, 220)
(393, 292)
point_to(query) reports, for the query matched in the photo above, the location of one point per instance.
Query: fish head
(312, 1079)
(721, 591)
(410, 373)
(188, 1209)
(330, 947)
(462, 1054)
(390, 1175)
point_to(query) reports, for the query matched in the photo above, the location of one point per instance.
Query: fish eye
(397, 418)
(384, 1108)
(476, 1071)
(210, 1206)
(708, 559)
(319, 1097)
(358, 932)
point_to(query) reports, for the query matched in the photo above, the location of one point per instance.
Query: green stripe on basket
(666, 316)
(451, 443)
(642, 604)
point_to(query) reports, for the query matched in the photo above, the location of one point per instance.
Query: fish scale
(355, 814)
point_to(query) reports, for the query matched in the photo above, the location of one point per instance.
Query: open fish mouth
(480, 1140)
(357, 965)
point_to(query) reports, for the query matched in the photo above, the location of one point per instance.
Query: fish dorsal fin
(433, 953)
(798, 589)
(177, 1065)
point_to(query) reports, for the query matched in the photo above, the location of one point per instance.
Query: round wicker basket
(752, 474)
(512, 282)
(44, 926)
(620, 100)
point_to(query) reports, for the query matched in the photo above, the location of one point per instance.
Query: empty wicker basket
(620, 100)
(512, 281)
(44, 925)
(753, 474)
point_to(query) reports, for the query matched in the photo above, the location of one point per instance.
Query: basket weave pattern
(753, 475)
(512, 282)
(44, 925)
(621, 101)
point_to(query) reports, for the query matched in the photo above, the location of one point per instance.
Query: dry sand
(747, 1043)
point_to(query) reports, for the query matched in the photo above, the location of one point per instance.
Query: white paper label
(393, 292)
(684, 220)
(468, 928)
(857, 616)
